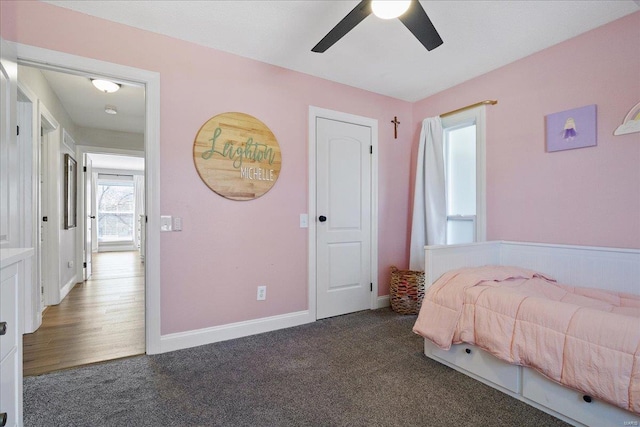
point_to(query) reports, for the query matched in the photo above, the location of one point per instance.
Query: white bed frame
(609, 268)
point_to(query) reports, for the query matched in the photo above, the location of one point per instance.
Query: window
(460, 178)
(115, 200)
(463, 139)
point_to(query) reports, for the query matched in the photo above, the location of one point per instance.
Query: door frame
(314, 114)
(85, 268)
(60, 61)
(49, 133)
(30, 137)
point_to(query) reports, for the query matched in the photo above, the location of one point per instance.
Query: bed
(607, 280)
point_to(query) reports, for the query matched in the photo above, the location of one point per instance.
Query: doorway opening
(115, 289)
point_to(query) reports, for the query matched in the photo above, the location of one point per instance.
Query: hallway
(101, 319)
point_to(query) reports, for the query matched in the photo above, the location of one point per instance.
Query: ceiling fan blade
(417, 21)
(361, 11)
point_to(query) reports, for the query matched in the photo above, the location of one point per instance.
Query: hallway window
(115, 201)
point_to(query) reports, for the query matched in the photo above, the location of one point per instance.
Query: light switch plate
(177, 223)
(165, 223)
(304, 221)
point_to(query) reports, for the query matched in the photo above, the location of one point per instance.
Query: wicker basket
(406, 290)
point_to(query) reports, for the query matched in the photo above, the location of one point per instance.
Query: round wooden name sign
(237, 156)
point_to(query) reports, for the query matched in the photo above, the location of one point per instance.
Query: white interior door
(50, 206)
(343, 207)
(90, 215)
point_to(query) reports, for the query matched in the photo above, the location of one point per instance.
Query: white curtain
(138, 188)
(429, 225)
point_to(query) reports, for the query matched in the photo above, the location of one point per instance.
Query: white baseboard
(117, 248)
(383, 301)
(181, 340)
(64, 291)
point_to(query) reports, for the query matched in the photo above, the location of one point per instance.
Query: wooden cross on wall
(395, 127)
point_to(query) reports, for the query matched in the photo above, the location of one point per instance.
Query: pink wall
(211, 269)
(589, 196)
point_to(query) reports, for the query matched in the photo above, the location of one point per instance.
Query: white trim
(119, 174)
(383, 301)
(51, 206)
(374, 213)
(70, 63)
(64, 291)
(116, 247)
(314, 113)
(311, 231)
(194, 338)
(33, 310)
(65, 137)
(92, 149)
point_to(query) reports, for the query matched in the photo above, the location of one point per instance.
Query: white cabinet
(11, 328)
(527, 385)
(574, 404)
(478, 362)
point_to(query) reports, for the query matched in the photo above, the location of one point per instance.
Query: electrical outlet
(262, 293)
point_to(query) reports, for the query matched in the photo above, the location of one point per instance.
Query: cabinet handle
(586, 398)
(467, 350)
(3, 328)
(3, 419)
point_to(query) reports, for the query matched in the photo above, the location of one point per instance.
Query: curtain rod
(477, 104)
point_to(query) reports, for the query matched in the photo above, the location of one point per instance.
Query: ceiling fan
(410, 13)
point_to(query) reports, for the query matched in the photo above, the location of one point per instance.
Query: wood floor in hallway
(100, 319)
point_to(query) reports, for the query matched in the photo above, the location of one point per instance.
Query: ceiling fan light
(110, 109)
(389, 9)
(105, 85)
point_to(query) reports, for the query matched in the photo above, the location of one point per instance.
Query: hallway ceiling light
(105, 85)
(110, 109)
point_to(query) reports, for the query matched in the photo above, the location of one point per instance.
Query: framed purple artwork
(571, 129)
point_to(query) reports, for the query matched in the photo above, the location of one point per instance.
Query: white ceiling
(378, 56)
(85, 104)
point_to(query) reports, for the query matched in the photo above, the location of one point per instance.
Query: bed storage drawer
(479, 363)
(571, 403)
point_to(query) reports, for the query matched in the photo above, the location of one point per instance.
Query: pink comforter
(586, 339)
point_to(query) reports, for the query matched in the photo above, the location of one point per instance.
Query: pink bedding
(586, 339)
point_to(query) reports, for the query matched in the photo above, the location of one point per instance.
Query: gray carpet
(362, 369)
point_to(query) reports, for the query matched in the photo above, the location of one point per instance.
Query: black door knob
(3, 328)
(92, 216)
(322, 218)
(3, 419)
